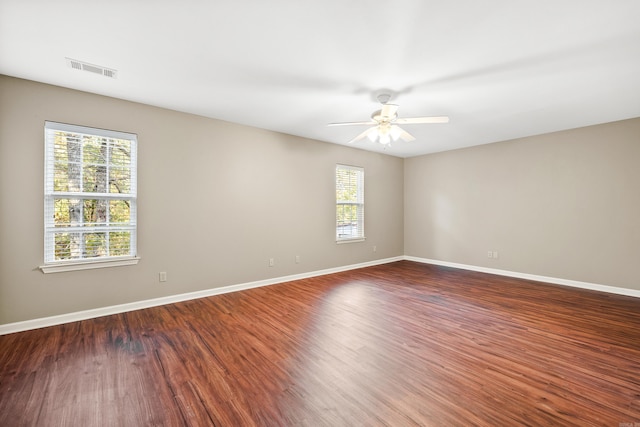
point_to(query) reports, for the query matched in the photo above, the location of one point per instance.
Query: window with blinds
(90, 194)
(349, 203)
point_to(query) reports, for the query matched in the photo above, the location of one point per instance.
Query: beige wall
(216, 201)
(564, 205)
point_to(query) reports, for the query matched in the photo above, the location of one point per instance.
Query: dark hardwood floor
(399, 344)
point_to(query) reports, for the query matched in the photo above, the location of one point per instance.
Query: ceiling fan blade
(363, 135)
(418, 120)
(397, 132)
(402, 134)
(389, 110)
(369, 123)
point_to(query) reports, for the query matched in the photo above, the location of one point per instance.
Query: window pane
(61, 177)
(121, 152)
(62, 246)
(63, 145)
(95, 179)
(120, 211)
(120, 180)
(95, 212)
(95, 244)
(61, 212)
(119, 243)
(348, 224)
(68, 246)
(347, 186)
(68, 163)
(67, 212)
(94, 150)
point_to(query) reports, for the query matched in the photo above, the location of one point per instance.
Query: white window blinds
(349, 203)
(90, 194)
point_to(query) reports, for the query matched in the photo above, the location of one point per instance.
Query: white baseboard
(122, 308)
(546, 279)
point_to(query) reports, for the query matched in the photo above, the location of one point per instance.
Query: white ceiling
(500, 69)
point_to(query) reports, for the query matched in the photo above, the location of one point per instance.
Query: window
(90, 196)
(349, 203)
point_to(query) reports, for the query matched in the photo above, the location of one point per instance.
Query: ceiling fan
(385, 123)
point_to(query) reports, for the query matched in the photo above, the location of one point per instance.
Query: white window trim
(355, 240)
(63, 266)
(358, 239)
(93, 263)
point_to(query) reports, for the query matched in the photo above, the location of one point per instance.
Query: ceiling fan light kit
(385, 133)
(385, 122)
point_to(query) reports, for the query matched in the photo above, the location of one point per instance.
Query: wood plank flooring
(400, 344)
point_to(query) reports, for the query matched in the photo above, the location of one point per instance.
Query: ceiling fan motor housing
(380, 117)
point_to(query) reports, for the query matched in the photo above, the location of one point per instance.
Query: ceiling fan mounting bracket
(383, 98)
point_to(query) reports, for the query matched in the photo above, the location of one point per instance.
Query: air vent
(91, 68)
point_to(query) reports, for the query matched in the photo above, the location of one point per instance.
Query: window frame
(52, 265)
(358, 203)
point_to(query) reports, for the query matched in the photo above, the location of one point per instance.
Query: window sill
(359, 239)
(88, 265)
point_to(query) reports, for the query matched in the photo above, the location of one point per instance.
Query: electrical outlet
(272, 262)
(490, 254)
(375, 248)
(162, 276)
(297, 259)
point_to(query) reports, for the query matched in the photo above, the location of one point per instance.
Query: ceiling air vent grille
(91, 68)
